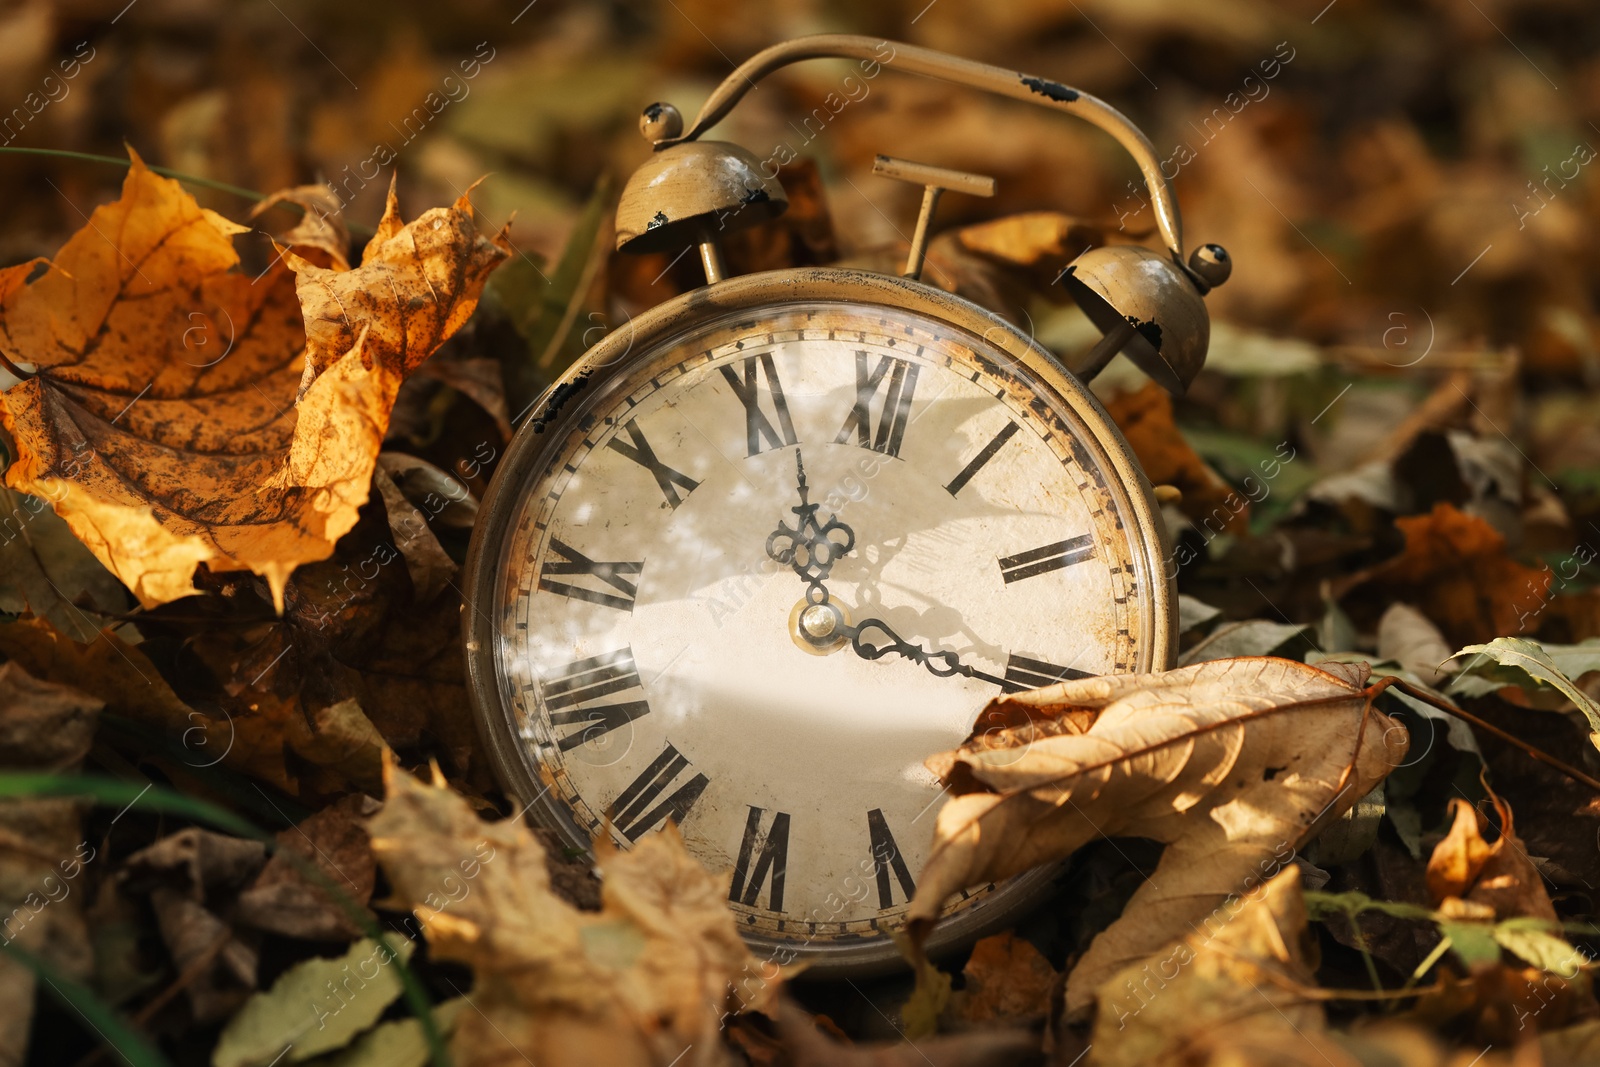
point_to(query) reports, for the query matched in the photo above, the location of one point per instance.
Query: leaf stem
(1510, 739)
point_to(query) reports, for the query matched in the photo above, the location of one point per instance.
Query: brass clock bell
(757, 555)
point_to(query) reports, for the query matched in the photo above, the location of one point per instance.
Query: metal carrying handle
(914, 59)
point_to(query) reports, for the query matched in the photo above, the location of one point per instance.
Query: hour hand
(810, 548)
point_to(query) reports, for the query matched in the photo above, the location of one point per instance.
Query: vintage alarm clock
(756, 556)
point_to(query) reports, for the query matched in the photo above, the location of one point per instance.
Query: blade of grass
(150, 797)
(570, 283)
(134, 1048)
(165, 172)
(236, 788)
(112, 793)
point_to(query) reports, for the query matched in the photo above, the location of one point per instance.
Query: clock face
(959, 536)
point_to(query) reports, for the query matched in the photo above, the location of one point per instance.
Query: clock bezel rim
(495, 722)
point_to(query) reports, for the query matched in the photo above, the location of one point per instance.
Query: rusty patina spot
(558, 399)
(1150, 331)
(1053, 90)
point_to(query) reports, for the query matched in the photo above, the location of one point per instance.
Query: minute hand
(939, 664)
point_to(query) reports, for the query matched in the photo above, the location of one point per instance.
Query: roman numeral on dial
(574, 562)
(757, 427)
(891, 426)
(637, 810)
(641, 453)
(886, 858)
(985, 454)
(589, 679)
(769, 851)
(1024, 673)
(1049, 558)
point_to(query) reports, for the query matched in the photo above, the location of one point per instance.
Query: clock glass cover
(758, 572)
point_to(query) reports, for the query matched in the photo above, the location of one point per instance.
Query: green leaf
(1322, 905)
(1474, 943)
(400, 1043)
(314, 1007)
(1531, 940)
(131, 1045)
(545, 313)
(1538, 664)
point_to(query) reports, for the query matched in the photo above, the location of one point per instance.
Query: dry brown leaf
(1456, 570)
(645, 981)
(417, 284)
(1503, 1004)
(1145, 418)
(1410, 638)
(128, 682)
(284, 901)
(1007, 980)
(183, 413)
(1499, 876)
(1231, 992)
(189, 877)
(1234, 764)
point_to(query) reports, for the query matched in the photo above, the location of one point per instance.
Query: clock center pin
(818, 628)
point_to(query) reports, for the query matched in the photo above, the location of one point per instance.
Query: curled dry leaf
(192, 878)
(182, 412)
(645, 981)
(1498, 875)
(417, 284)
(1234, 764)
(320, 236)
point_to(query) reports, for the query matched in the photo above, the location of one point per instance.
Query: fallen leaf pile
(648, 979)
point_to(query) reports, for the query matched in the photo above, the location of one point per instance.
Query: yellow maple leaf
(177, 411)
